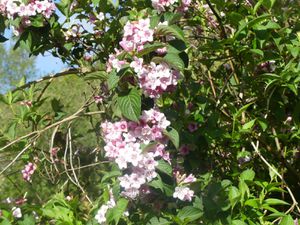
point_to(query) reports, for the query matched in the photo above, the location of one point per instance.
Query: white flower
(101, 16)
(16, 212)
(183, 193)
(100, 216)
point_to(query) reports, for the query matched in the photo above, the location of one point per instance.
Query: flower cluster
(182, 191)
(136, 35)
(12, 8)
(100, 216)
(160, 5)
(184, 5)
(155, 79)
(115, 63)
(124, 145)
(28, 171)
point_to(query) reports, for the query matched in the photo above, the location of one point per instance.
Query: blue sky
(45, 64)
(49, 64)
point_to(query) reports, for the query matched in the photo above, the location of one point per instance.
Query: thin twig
(211, 83)
(51, 147)
(72, 167)
(19, 155)
(86, 166)
(72, 117)
(223, 32)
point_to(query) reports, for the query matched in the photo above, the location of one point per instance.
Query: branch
(223, 32)
(19, 155)
(60, 74)
(38, 132)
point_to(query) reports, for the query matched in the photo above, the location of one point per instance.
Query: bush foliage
(172, 112)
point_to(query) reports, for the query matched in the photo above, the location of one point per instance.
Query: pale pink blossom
(183, 193)
(123, 146)
(157, 79)
(189, 179)
(136, 35)
(101, 213)
(12, 8)
(16, 212)
(160, 5)
(28, 171)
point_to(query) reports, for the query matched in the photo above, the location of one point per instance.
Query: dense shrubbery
(191, 110)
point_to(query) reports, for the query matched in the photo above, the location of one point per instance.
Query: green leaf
(64, 7)
(241, 110)
(274, 201)
(164, 167)
(115, 3)
(263, 124)
(233, 195)
(176, 46)
(38, 22)
(112, 80)
(238, 222)
(172, 30)
(173, 135)
(257, 51)
(172, 18)
(190, 213)
(249, 125)
(250, 24)
(96, 75)
(28, 220)
(111, 174)
(130, 105)
(5, 222)
(174, 61)
(150, 48)
(287, 220)
(248, 174)
(158, 221)
(117, 212)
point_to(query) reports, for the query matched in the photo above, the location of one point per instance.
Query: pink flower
(189, 179)
(192, 127)
(54, 151)
(160, 5)
(136, 34)
(157, 79)
(183, 193)
(10, 8)
(101, 214)
(161, 51)
(27, 103)
(123, 146)
(98, 99)
(28, 171)
(184, 5)
(137, 64)
(114, 62)
(184, 150)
